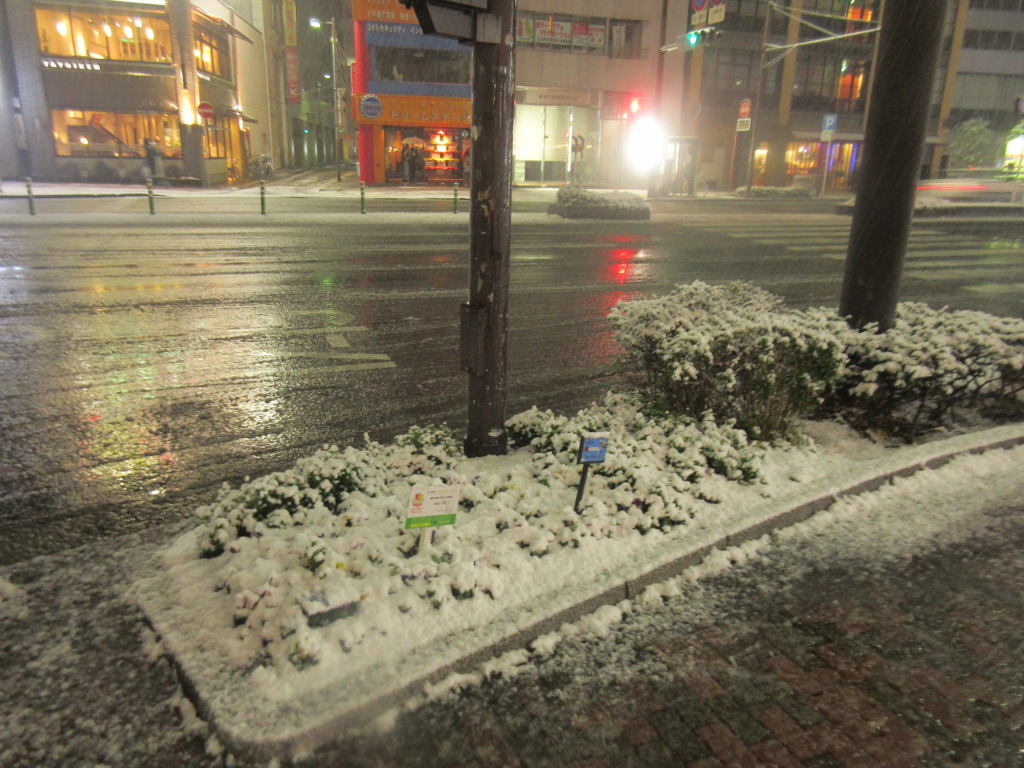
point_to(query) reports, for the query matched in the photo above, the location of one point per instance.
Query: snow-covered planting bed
(301, 605)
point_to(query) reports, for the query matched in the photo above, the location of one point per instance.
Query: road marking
(352, 367)
(335, 355)
(995, 288)
(337, 340)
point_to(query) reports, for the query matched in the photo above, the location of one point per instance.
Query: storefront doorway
(419, 155)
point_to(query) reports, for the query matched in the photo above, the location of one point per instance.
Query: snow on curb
(255, 727)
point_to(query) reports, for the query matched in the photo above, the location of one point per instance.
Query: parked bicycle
(260, 167)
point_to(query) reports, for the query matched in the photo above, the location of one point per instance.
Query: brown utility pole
(485, 315)
(894, 137)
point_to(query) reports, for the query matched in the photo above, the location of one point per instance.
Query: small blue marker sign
(593, 448)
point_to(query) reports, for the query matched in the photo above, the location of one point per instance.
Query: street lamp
(316, 24)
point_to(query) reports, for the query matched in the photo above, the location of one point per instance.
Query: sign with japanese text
(432, 505)
(699, 17)
(382, 10)
(524, 30)
(389, 109)
(716, 13)
(580, 34)
(291, 37)
(598, 35)
(291, 68)
(551, 32)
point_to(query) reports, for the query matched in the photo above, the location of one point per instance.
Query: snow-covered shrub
(732, 351)
(575, 194)
(340, 565)
(794, 191)
(929, 363)
(322, 483)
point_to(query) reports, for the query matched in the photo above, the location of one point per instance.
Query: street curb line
(303, 743)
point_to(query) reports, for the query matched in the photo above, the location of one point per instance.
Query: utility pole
(490, 26)
(894, 137)
(337, 98)
(485, 315)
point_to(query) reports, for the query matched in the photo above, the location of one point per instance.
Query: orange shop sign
(386, 109)
(382, 10)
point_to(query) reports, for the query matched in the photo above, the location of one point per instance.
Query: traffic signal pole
(894, 137)
(485, 316)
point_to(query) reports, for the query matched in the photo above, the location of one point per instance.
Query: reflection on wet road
(145, 361)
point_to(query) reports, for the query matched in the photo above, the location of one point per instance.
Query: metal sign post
(828, 133)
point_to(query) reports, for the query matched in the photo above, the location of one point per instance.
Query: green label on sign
(429, 522)
(433, 505)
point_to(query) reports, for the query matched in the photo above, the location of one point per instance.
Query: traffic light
(452, 18)
(697, 36)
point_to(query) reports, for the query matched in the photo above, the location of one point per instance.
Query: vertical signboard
(716, 13)
(291, 53)
(699, 17)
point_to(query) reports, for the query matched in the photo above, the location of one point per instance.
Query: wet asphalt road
(144, 360)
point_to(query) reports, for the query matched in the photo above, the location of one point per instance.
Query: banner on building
(524, 30)
(291, 66)
(291, 53)
(580, 34)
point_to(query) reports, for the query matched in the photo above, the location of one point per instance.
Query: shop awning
(240, 114)
(838, 137)
(223, 25)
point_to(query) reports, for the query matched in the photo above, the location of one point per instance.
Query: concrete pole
(893, 147)
(484, 318)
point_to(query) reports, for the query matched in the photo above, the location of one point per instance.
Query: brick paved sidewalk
(835, 665)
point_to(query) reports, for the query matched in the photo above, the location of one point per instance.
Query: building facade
(990, 73)
(90, 85)
(583, 72)
(709, 87)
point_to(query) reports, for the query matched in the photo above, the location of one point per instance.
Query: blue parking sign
(829, 122)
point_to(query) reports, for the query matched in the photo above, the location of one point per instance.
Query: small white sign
(699, 19)
(743, 124)
(716, 14)
(432, 505)
(828, 135)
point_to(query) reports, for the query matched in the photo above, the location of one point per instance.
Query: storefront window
(419, 66)
(100, 35)
(625, 39)
(212, 54)
(78, 133)
(580, 34)
(215, 139)
(851, 86)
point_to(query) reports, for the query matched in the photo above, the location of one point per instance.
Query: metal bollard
(263, 197)
(31, 197)
(455, 202)
(362, 197)
(149, 193)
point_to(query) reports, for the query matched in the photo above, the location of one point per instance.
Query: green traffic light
(692, 39)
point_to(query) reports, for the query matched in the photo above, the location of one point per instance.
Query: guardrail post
(263, 197)
(455, 201)
(362, 197)
(149, 194)
(31, 197)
